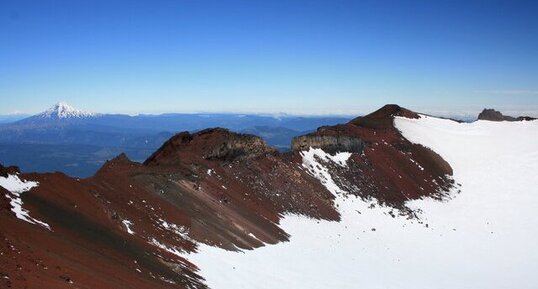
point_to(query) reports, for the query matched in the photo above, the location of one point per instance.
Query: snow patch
(417, 164)
(177, 229)
(254, 237)
(16, 187)
(339, 158)
(128, 225)
(312, 161)
(169, 249)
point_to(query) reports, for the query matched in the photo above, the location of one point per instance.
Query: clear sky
(308, 57)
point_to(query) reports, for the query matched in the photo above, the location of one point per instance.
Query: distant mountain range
(66, 139)
(12, 118)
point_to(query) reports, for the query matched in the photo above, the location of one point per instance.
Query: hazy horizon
(457, 110)
(467, 111)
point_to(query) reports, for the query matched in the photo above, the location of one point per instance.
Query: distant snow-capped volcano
(62, 110)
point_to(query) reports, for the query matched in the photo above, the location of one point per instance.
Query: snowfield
(484, 237)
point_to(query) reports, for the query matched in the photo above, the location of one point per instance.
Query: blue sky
(307, 57)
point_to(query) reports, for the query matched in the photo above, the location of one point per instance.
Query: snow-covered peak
(63, 110)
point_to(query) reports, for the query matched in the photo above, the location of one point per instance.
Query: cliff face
(330, 144)
(234, 146)
(5, 171)
(215, 143)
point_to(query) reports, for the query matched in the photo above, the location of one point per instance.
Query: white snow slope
(485, 237)
(16, 187)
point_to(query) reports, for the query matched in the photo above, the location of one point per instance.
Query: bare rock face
(234, 145)
(329, 143)
(494, 115)
(4, 171)
(214, 143)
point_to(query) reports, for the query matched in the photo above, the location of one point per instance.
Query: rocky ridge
(138, 222)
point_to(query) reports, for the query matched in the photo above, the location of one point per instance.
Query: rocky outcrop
(233, 145)
(494, 115)
(4, 171)
(329, 143)
(214, 143)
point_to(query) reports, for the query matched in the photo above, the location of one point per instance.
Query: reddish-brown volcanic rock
(215, 143)
(121, 227)
(390, 168)
(87, 246)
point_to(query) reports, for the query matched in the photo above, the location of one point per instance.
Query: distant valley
(77, 143)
